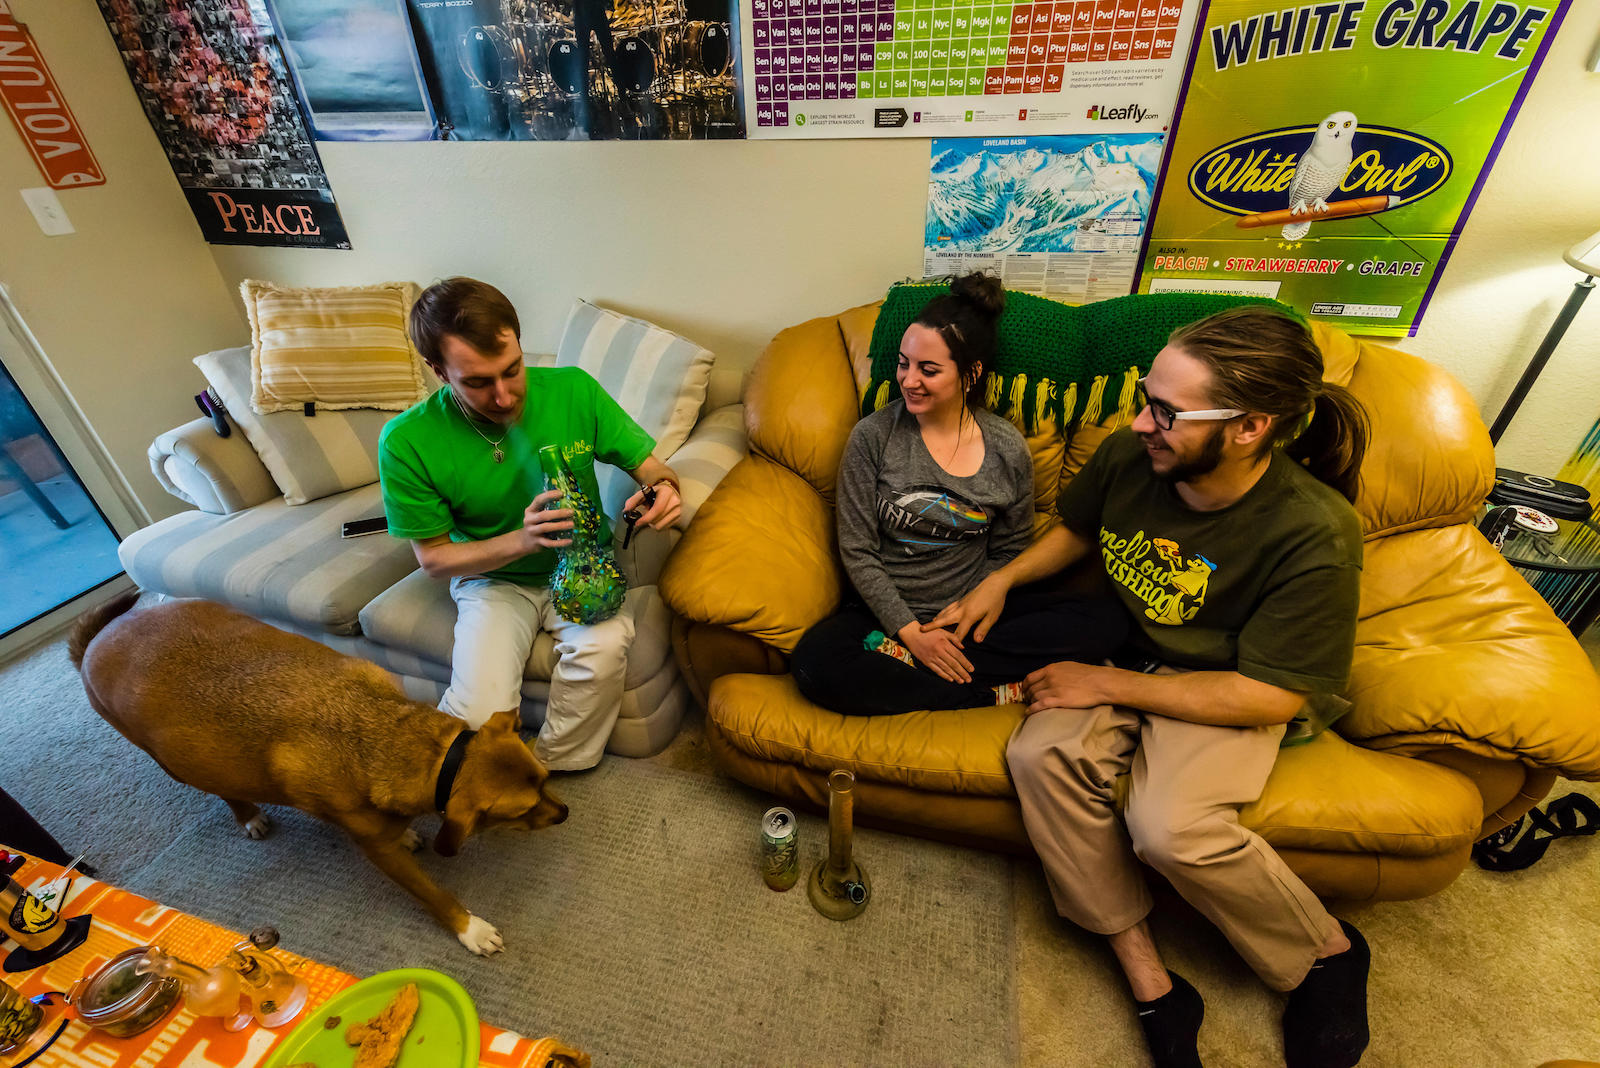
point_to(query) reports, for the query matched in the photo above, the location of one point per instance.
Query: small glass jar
(19, 1019)
(121, 1002)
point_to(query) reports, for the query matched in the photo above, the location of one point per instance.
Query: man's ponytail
(1333, 445)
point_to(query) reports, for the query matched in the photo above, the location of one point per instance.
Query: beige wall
(1506, 280)
(725, 241)
(121, 306)
(729, 242)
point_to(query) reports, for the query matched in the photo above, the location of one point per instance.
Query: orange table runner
(122, 921)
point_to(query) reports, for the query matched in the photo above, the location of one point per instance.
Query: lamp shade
(1585, 255)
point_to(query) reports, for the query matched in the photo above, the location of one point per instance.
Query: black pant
(1038, 627)
(20, 831)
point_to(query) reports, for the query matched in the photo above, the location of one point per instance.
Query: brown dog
(253, 714)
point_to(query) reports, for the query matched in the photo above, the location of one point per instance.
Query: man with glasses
(1224, 524)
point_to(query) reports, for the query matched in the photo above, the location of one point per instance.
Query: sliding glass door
(54, 540)
(63, 501)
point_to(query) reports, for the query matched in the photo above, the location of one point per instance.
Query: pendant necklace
(499, 454)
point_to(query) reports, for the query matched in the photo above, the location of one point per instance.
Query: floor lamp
(1585, 256)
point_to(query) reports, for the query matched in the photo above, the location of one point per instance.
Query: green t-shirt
(1268, 586)
(439, 474)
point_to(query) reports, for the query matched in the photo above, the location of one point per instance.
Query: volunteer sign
(40, 112)
(1332, 151)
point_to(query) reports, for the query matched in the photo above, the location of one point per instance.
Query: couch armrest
(715, 446)
(215, 474)
(1455, 650)
(801, 402)
(760, 557)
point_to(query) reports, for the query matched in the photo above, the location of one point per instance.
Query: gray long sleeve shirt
(914, 537)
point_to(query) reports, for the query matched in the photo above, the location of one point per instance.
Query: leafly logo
(1301, 167)
(1131, 113)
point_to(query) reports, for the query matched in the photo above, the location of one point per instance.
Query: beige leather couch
(1470, 697)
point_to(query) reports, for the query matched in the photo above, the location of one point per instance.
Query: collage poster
(215, 88)
(1060, 216)
(1328, 155)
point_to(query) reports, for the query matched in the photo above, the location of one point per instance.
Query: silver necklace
(499, 454)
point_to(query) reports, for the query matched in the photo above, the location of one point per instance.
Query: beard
(1201, 463)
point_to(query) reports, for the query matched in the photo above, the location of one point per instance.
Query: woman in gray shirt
(934, 493)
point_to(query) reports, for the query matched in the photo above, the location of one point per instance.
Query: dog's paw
(481, 937)
(411, 840)
(258, 826)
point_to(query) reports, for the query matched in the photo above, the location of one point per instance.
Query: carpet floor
(640, 931)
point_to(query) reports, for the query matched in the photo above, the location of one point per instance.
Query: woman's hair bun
(981, 290)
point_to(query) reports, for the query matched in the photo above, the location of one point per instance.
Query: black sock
(1171, 1025)
(1325, 1023)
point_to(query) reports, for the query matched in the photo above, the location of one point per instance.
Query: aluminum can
(780, 853)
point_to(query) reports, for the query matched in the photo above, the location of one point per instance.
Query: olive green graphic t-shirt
(1268, 586)
(439, 474)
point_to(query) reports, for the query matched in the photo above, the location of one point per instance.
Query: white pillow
(309, 457)
(658, 377)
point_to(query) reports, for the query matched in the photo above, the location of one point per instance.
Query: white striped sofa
(244, 546)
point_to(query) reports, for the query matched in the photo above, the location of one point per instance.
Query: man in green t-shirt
(461, 479)
(1224, 524)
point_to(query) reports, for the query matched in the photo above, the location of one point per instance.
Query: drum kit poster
(550, 70)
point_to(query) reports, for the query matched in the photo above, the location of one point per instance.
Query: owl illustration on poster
(1320, 169)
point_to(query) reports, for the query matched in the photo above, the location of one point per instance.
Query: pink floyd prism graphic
(929, 518)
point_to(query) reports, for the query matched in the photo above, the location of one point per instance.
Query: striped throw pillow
(344, 347)
(656, 376)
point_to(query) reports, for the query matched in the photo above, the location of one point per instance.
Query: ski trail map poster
(961, 68)
(1062, 216)
(1328, 154)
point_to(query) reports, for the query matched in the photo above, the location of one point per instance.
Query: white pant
(496, 623)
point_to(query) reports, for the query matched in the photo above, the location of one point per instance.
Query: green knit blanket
(1054, 363)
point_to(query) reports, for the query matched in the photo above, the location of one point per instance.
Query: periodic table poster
(962, 68)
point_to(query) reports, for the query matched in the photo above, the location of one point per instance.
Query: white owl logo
(1320, 169)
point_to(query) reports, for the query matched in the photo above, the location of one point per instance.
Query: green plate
(444, 1033)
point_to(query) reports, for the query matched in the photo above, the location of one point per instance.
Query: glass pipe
(585, 586)
(213, 991)
(839, 887)
(272, 994)
(276, 994)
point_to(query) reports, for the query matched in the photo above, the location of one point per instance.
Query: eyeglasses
(1165, 414)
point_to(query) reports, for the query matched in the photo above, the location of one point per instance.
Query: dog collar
(447, 772)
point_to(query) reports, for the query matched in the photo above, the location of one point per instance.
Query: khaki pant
(1182, 818)
(496, 623)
